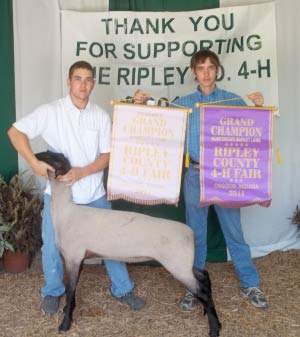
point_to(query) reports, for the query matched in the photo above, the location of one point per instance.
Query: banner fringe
(235, 204)
(143, 202)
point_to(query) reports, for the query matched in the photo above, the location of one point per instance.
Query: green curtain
(8, 156)
(160, 6)
(216, 246)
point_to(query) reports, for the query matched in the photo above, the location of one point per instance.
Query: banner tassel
(187, 160)
(278, 156)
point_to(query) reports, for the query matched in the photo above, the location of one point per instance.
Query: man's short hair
(81, 65)
(202, 55)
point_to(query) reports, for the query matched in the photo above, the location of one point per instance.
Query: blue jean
(53, 264)
(229, 218)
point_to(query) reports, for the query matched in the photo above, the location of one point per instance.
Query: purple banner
(235, 155)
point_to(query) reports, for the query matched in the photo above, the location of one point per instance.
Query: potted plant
(20, 221)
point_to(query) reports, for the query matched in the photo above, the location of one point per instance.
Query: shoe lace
(254, 291)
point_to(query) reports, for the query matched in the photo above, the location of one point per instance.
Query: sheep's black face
(57, 160)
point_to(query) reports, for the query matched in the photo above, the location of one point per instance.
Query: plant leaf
(9, 246)
(4, 228)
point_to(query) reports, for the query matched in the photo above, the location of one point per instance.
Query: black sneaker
(255, 296)
(133, 301)
(50, 304)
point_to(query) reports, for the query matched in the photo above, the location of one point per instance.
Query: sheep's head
(57, 160)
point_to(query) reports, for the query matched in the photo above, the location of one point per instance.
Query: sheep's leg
(204, 294)
(73, 275)
(180, 265)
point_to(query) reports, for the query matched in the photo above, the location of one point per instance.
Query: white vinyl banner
(146, 154)
(152, 50)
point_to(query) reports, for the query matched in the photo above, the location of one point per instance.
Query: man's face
(206, 74)
(81, 84)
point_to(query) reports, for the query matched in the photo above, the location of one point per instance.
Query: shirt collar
(71, 105)
(212, 95)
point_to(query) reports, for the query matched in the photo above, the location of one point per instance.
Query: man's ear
(68, 82)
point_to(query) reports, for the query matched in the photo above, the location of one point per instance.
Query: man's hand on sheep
(75, 174)
(41, 168)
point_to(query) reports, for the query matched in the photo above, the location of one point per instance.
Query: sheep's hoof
(63, 329)
(65, 325)
(215, 331)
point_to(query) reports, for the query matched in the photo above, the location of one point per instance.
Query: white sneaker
(255, 296)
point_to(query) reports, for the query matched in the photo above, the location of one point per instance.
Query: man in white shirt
(81, 130)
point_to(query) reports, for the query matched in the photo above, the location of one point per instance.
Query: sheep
(123, 236)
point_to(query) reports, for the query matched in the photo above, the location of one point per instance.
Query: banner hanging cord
(160, 99)
(213, 102)
(130, 99)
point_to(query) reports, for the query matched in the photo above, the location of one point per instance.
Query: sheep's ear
(44, 156)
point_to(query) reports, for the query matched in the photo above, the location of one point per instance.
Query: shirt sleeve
(34, 123)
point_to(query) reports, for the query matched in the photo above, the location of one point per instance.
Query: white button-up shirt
(80, 135)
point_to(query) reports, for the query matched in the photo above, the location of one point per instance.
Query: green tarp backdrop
(8, 157)
(160, 6)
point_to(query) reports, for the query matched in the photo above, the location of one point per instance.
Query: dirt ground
(97, 314)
